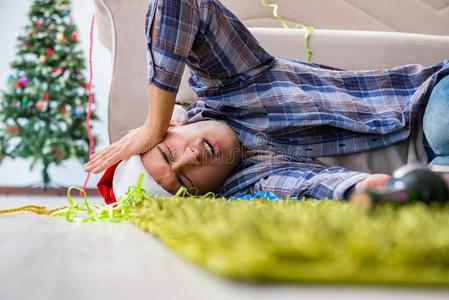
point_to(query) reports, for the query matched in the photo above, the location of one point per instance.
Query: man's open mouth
(209, 148)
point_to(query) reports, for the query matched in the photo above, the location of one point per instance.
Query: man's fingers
(94, 165)
(112, 154)
(103, 163)
(91, 163)
(108, 162)
(94, 155)
(101, 157)
(101, 153)
(108, 157)
(104, 152)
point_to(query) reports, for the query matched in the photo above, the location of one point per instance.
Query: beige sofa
(351, 34)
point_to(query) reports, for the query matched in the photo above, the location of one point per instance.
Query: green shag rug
(303, 241)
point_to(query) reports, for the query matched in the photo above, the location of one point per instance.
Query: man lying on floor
(265, 123)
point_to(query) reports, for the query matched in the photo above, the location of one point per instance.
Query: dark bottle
(408, 184)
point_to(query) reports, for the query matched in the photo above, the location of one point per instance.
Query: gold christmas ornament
(60, 37)
(42, 59)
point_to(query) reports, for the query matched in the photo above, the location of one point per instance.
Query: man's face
(198, 156)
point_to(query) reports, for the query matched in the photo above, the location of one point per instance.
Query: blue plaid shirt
(285, 112)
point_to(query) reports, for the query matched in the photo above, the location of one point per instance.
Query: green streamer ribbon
(85, 211)
(309, 29)
(184, 192)
(82, 212)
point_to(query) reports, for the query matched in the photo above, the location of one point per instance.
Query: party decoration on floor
(256, 195)
(309, 29)
(37, 209)
(88, 86)
(86, 211)
(47, 92)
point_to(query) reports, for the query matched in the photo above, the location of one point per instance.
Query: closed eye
(164, 155)
(168, 160)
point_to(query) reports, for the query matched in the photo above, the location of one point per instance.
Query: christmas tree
(42, 115)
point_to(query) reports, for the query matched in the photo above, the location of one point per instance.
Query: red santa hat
(117, 179)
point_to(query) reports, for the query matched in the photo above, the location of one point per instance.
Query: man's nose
(190, 158)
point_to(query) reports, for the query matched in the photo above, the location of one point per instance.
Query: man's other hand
(137, 141)
(375, 181)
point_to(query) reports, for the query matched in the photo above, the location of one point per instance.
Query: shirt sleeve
(176, 26)
(327, 182)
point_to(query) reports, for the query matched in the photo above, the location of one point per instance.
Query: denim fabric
(436, 124)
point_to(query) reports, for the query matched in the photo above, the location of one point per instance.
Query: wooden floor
(47, 258)
(40, 191)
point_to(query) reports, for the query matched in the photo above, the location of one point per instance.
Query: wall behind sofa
(12, 19)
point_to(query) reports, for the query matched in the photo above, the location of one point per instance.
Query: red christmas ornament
(85, 85)
(57, 152)
(37, 23)
(50, 51)
(57, 69)
(63, 110)
(74, 36)
(12, 129)
(45, 96)
(40, 105)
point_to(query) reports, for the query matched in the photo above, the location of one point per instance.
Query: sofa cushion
(347, 48)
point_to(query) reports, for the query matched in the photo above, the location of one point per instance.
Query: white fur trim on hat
(127, 173)
(179, 115)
